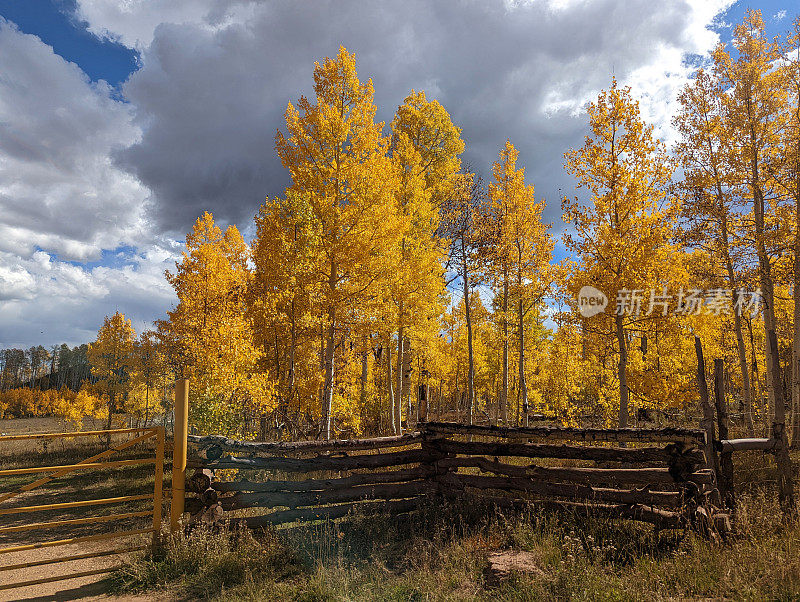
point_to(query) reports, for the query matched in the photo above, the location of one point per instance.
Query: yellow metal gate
(96, 462)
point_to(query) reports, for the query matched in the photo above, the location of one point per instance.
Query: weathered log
(208, 452)
(594, 476)
(329, 512)
(395, 476)
(569, 434)
(391, 491)
(663, 519)
(209, 497)
(571, 452)
(735, 445)
(199, 481)
(712, 460)
(563, 490)
(725, 482)
(412, 456)
(277, 447)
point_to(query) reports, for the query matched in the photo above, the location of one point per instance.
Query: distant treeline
(40, 368)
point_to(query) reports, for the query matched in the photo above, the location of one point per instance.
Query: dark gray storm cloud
(210, 98)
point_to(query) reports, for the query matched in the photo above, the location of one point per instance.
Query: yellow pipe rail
(92, 463)
(35, 563)
(74, 521)
(158, 488)
(81, 504)
(100, 456)
(71, 540)
(151, 430)
(57, 578)
(71, 467)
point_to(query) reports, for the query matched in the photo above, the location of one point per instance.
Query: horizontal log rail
(663, 519)
(314, 498)
(329, 512)
(256, 447)
(568, 452)
(735, 445)
(319, 463)
(563, 490)
(395, 476)
(656, 435)
(595, 476)
(435, 460)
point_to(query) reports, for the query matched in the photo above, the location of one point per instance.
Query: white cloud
(82, 172)
(133, 22)
(62, 200)
(59, 189)
(47, 301)
(214, 83)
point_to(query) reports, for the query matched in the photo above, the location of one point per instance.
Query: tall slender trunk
(330, 348)
(327, 398)
(622, 372)
(470, 356)
(398, 392)
(111, 403)
(504, 390)
(782, 459)
(764, 267)
(292, 357)
(390, 385)
(146, 404)
(737, 317)
(405, 391)
(523, 384)
(796, 298)
(364, 373)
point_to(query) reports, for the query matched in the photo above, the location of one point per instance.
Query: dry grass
(439, 553)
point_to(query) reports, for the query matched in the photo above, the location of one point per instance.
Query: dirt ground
(76, 487)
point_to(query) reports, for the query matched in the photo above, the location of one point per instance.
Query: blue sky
(121, 122)
(56, 24)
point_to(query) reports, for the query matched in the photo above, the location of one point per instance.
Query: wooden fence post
(708, 417)
(157, 493)
(782, 459)
(726, 461)
(181, 432)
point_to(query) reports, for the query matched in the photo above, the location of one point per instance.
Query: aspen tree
(461, 212)
(337, 157)
(620, 238)
(753, 96)
(210, 330)
(710, 204)
(111, 358)
(518, 250)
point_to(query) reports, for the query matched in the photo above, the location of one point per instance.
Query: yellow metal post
(158, 486)
(181, 432)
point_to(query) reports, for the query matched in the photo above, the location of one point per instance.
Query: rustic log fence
(720, 449)
(661, 477)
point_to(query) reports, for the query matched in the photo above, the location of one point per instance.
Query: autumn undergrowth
(439, 553)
